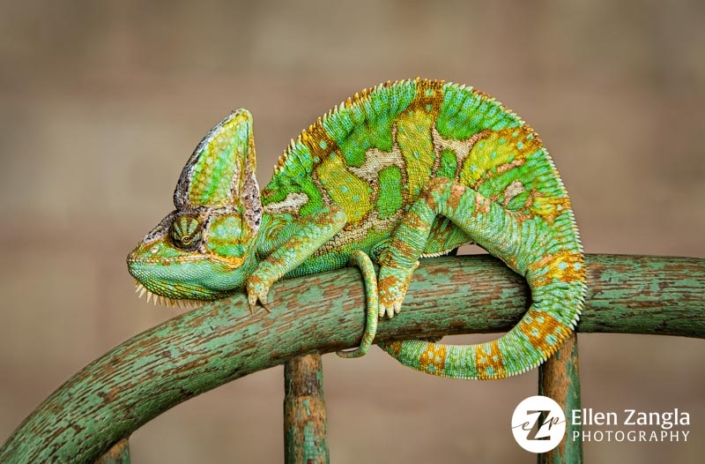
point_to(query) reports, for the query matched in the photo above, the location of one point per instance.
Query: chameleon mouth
(165, 300)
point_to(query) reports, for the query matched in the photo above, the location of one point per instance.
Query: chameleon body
(406, 170)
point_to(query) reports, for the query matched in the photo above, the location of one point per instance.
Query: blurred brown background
(101, 103)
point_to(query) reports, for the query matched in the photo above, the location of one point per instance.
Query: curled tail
(558, 289)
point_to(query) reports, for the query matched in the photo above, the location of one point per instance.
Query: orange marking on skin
(477, 137)
(508, 155)
(403, 248)
(431, 202)
(482, 205)
(429, 97)
(312, 138)
(433, 358)
(549, 208)
(542, 262)
(456, 193)
(484, 95)
(565, 266)
(511, 261)
(413, 221)
(392, 289)
(541, 325)
(489, 364)
(394, 347)
(507, 166)
(384, 285)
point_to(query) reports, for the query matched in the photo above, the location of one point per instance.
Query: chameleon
(402, 171)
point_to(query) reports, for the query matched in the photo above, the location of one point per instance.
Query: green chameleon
(406, 170)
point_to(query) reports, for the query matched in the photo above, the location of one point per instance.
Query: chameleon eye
(185, 232)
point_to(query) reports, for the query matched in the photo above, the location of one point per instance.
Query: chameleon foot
(257, 291)
(393, 284)
(361, 260)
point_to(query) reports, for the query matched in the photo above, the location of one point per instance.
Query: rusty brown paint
(207, 347)
(559, 379)
(305, 428)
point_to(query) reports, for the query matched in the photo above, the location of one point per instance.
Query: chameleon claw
(389, 311)
(382, 312)
(252, 305)
(257, 292)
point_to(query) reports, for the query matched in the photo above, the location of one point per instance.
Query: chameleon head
(204, 249)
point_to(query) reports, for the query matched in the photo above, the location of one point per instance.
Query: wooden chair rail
(90, 417)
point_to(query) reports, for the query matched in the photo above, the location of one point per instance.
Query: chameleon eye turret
(185, 232)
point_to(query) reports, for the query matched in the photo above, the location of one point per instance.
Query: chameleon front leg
(486, 222)
(311, 233)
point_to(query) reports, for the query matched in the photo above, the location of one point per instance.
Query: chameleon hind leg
(369, 277)
(549, 256)
(486, 222)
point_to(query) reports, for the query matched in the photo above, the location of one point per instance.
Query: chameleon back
(375, 152)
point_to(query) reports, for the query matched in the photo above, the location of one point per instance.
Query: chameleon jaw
(164, 300)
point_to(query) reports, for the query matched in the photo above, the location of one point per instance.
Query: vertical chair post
(559, 380)
(305, 426)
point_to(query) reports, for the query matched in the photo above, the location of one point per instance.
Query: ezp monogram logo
(538, 424)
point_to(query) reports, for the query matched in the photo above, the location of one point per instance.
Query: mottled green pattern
(399, 172)
(390, 198)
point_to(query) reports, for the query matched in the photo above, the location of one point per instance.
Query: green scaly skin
(406, 170)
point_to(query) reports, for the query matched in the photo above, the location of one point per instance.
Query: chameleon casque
(406, 170)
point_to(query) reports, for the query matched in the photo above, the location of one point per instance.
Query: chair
(91, 416)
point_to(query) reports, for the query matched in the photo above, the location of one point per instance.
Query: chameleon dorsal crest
(221, 171)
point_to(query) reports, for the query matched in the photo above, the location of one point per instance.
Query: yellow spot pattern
(414, 134)
(433, 358)
(538, 325)
(414, 139)
(550, 207)
(345, 189)
(488, 360)
(496, 150)
(394, 348)
(566, 266)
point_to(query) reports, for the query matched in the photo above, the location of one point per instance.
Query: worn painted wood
(202, 349)
(305, 428)
(559, 379)
(118, 454)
